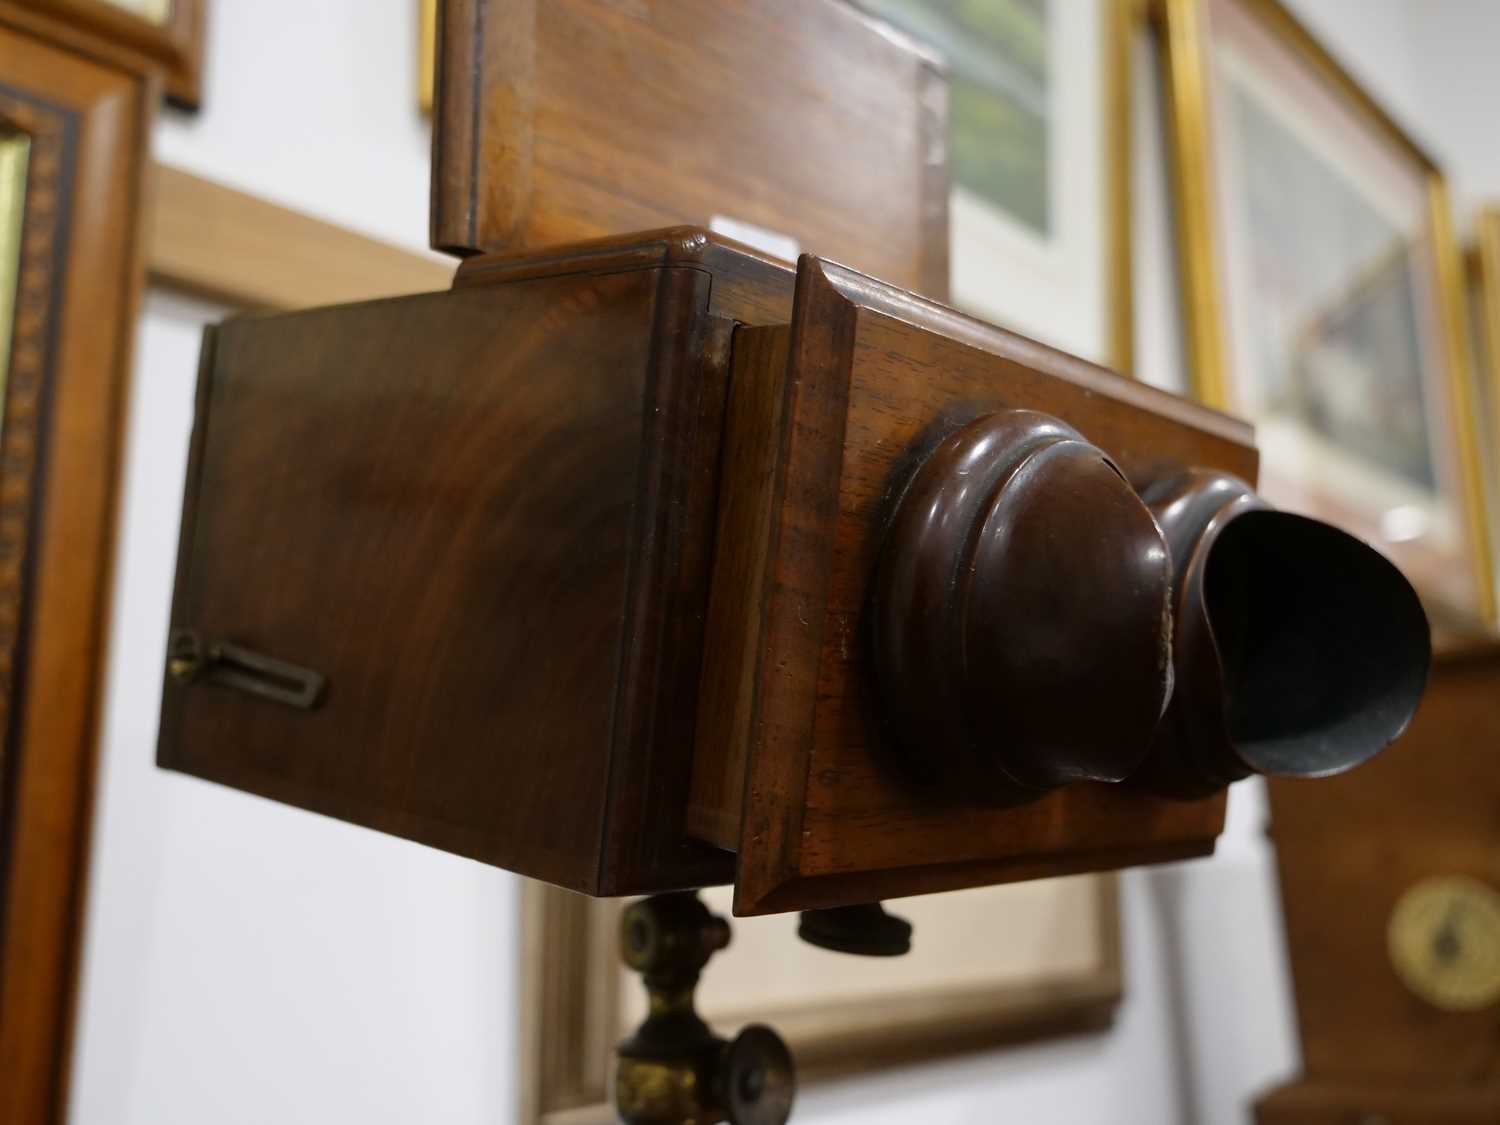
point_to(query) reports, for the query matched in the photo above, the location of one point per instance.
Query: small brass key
(190, 660)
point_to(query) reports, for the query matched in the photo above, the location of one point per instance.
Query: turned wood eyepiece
(1300, 651)
(1021, 620)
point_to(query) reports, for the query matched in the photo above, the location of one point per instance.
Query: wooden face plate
(873, 379)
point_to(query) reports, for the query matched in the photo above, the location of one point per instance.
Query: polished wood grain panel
(1348, 847)
(646, 842)
(521, 474)
(572, 119)
(876, 377)
(757, 404)
(453, 557)
(59, 462)
(748, 287)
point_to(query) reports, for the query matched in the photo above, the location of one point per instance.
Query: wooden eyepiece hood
(1300, 650)
(1032, 612)
(1021, 622)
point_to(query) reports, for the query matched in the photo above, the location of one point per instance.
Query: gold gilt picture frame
(427, 12)
(1482, 282)
(988, 967)
(1322, 292)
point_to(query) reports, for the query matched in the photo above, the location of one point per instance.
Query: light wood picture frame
(577, 1000)
(77, 132)
(214, 241)
(1353, 366)
(168, 34)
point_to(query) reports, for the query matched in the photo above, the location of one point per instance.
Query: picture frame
(1032, 251)
(1358, 381)
(577, 999)
(167, 33)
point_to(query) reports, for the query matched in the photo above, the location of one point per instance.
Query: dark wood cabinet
(1390, 883)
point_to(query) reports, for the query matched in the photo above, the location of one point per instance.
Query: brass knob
(758, 1078)
(673, 1070)
(1021, 624)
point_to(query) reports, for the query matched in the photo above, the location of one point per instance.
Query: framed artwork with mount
(1323, 294)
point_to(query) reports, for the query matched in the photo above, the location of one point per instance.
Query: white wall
(249, 963)
(1449, 41)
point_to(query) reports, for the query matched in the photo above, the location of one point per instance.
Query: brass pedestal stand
(674, 1070)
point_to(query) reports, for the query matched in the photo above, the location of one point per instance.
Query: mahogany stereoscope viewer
(650, 563)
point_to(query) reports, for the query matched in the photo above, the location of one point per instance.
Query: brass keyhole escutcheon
(190, 660)
(184, 656)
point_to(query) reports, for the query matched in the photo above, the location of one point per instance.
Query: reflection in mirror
(152, 11)
(15, 152)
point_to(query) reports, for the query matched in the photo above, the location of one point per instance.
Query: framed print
(1031, 161)
(1322, 293)
(988, 966)
(167, 33)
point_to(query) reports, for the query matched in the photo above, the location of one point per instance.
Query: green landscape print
(997, 54)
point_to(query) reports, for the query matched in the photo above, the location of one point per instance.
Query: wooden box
(579, 553)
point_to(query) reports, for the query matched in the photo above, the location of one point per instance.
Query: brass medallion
(1444, 942)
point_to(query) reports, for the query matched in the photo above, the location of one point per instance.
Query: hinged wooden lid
(564, 120)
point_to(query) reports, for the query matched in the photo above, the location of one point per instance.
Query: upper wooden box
(563, 120)
(571, 570)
